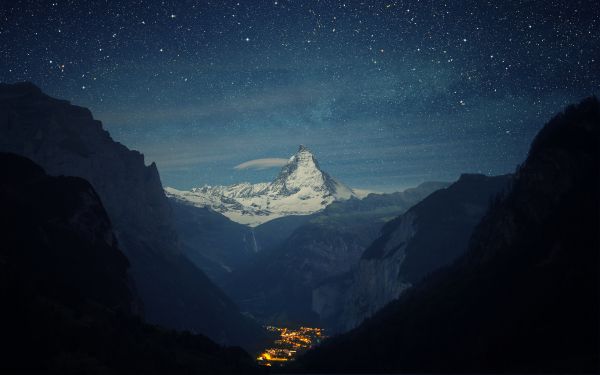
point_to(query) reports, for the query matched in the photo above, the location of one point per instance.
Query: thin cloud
(260, 164)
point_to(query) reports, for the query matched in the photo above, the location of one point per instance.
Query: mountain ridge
(430, 235)
(524, 296)
(65, 139)
(68, 303)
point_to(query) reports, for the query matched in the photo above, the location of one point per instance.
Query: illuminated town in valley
(289, 344)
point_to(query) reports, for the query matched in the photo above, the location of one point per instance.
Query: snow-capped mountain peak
(300, 188)
(302, 171)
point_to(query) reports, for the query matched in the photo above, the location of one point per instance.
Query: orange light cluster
(290, 343)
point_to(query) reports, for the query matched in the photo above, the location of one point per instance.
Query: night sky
(387, 94)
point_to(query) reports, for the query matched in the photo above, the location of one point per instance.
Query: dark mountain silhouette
(65, 140)
(524, 298)
(430, 235)
(67, 305)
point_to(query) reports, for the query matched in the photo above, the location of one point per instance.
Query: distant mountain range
(301, 188)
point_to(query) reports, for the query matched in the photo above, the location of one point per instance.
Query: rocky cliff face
(56, 229)
(524, 296)
(66, 299)
(66, 140)
(428, 236)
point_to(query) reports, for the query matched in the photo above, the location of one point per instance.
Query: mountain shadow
(67, 302)
(66, 140)
(211, 241)
(220, 246)
(524, 298)
(430, 235)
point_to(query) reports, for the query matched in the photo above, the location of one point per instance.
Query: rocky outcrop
(427, 237)
(66, 140)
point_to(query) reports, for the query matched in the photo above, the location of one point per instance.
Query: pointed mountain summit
(302, 172)
(300, 188)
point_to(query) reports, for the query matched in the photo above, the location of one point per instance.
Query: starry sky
(387, 94)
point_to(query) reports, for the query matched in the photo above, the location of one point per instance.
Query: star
(327, 72)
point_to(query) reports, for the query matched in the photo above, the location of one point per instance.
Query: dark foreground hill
(66, 299)
(524, 298)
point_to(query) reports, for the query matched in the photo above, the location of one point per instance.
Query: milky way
(387, 94)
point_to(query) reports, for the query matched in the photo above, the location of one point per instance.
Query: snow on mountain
(300, 188)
